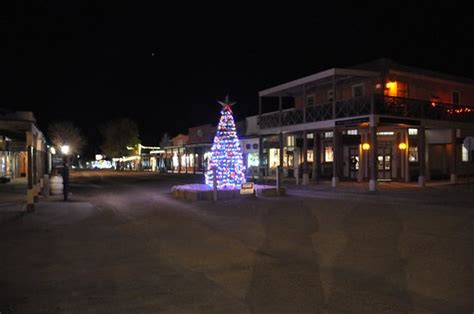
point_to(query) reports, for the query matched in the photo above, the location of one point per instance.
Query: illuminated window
(465, 154)
(310, 100)
(290, 140)
(385, 133)
(310, 156)
(412, 154)
(455, 97)
(309, 135)
(328, 134)
(352, 132)
(357, 90)
(412, 131)
(328, 154)
(396, 89)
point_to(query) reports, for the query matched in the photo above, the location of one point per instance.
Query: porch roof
(283, 89)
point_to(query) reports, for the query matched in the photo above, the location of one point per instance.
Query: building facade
(375, 121)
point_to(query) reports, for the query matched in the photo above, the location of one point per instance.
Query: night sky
(166, 67)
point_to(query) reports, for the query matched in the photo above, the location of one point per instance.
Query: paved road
(124, 245)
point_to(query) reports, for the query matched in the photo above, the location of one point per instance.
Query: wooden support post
(454, 173)
(361, 170)
(373, 159)
(30, 201)
(421, 156)
(305, 159)
(335, 160)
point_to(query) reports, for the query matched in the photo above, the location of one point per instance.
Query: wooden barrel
(56, 185)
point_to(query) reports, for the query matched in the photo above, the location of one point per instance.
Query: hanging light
(365, 146)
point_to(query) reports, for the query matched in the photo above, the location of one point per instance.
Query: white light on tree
(225, 162)
(65, 149)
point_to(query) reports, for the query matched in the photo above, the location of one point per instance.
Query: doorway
(353, 162)
(384, 161)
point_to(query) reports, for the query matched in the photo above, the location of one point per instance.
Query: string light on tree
(226, 159)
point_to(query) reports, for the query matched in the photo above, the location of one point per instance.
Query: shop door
(353, 162)
(384, 161)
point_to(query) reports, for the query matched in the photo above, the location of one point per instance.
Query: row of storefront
(379, 121)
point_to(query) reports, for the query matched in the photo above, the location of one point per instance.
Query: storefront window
(252, 160)
(465, 154)
(328, 154)
(274, 157)
(412, 154)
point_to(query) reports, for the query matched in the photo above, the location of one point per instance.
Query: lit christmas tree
(226, 155)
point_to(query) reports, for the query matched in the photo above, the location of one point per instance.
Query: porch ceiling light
(402, 146)
(365, 146)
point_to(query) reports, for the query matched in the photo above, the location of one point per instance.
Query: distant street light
(65, 149)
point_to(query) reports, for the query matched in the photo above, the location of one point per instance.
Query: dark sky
(165, 67)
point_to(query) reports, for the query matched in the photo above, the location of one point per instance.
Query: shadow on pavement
(286, 275)
(369, 273)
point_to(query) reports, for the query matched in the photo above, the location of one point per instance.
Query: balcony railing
(374, 104)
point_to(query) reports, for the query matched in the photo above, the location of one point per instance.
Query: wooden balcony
(367, 105)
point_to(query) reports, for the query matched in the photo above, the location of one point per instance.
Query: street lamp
(65, 149)
(402, 146)
(365, 146)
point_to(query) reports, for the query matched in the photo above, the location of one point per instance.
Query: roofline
(315, 77)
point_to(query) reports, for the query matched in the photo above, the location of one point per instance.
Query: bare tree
(66, 133)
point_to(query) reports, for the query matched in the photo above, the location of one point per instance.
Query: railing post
(372, 104)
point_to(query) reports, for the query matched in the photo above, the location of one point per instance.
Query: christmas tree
(226, 155)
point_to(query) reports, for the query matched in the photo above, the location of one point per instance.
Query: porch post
(335, 159)
(260, 140)
(373, 159)
(406, 168)
(360, 172)
(186, 160)
(35, 168)
(30, 201)
(421, 156)
(454, 173)
(280, 140)
(260, 157)
(316, 156)
(305, 158)
(194, 160)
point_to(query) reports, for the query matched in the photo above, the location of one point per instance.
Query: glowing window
(352, 132)
(309, 135)
(412, 154)
(290, 140)
(328, 154)
(465, 154)
(385, 133)
(412, 131)
(328, 134)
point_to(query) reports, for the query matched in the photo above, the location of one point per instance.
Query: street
(123, 244)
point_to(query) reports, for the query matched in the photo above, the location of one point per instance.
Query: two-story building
(374, 121)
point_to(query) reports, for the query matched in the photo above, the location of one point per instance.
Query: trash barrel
(56, 185)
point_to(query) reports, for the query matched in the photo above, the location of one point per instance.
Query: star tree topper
(227, 104)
